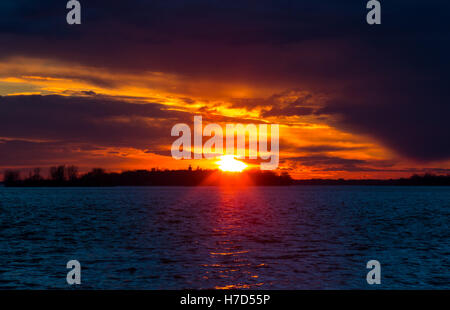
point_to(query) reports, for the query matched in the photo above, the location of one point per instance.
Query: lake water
(299, 237)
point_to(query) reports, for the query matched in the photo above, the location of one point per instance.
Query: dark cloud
(249, 40)
(415, 126)
(98, 121)
(288, 103)
(329, 162)
(19, 153)
(335, 163)
(326, 148)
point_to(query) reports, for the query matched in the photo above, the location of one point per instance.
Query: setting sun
(229, 163)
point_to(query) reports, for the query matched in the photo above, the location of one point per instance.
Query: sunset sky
(353, 100)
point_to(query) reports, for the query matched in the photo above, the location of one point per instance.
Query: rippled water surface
(210, 237)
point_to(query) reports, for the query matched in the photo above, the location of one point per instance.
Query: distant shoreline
(216, 185)
(63, 176)
(205, 186)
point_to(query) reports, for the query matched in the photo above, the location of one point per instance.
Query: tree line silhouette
(70, 176)
(426, 179)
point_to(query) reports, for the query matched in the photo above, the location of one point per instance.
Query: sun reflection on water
(232, 261)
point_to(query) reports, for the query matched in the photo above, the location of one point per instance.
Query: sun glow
(228, 163)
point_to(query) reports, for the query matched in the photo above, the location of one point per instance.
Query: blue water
(210, 237)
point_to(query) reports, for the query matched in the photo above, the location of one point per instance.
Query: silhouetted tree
(72, 173)
(11, 177)
(36, 175)
(97, 172)
(57, 173)
(190, 177)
